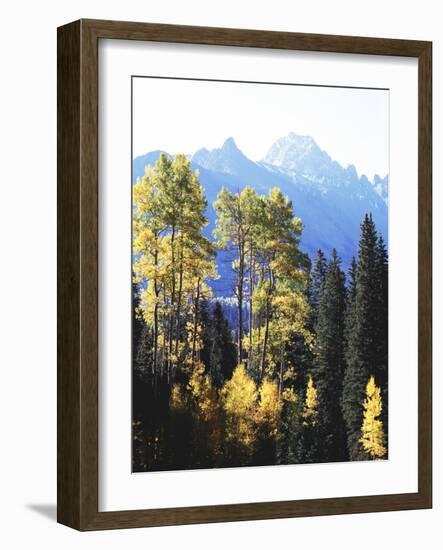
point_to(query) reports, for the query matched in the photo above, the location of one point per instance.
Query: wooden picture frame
(78, 274)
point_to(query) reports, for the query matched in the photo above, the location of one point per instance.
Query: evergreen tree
(351, 294)
(141, 338)
(300, 348)
(288, 448)
(218, 353)
(381, 371)
(351, 290)
(316, 280)
(293, 386)
(143, 352)
(206, 335)
(137, 318)
(363, 336)
(328, 365)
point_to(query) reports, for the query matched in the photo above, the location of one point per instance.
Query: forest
(298, 375)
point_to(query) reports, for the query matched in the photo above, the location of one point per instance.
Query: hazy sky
(180, 116)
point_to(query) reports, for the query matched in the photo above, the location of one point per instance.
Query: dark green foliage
(350, 316)
(351, 290)
(298, 351)
(205, 319)
(141, 338)
(218, 352)
(137, 321)
(143, 353)
(289, 448)
(328, 368)
(300, 354)
(381, 374)
(365, 353)
(349, 322)
(309, 446)
(315, 284)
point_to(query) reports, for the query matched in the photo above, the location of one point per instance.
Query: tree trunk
(251, 290)
(194, 336)
(266, 337)
(265, 340)
(155, 343)
(155, 338)
(179, 305)
(171, 315)
(240, 282)
(164, 365)
(280, 377)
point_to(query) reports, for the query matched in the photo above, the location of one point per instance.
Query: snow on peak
(300, 155)
(381, 186)
(295, 153)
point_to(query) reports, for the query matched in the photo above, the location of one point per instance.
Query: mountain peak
(352, 171)
(381, 185)
(297, 154)
(300, 140)
(227, 159)
(230, 145)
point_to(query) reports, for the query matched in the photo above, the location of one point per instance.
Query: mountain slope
(330, 200)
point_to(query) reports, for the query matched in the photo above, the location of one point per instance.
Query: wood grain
(77, 172)
(68, 276)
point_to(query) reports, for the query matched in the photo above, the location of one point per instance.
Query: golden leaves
(310, 411)
(372, 428)
(269, 407)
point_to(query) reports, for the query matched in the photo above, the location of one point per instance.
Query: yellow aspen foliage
(178, 399)
(203, 392)
(269, 408)
(239, 397)
(372, 428)
(310, 411)
(208, 412)
(194, 338)
(289, 395)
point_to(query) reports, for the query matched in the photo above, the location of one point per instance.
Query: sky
(181, 116)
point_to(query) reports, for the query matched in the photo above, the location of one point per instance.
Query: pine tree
(350, 315)
(372, 437)
(206, 336)
(137, 319)
(351, 290)
(218, 352)
(381, 371)
(363, 335)
(291, 426)
(316, 280)
(328, 365)
(141, 338)
(143, 352)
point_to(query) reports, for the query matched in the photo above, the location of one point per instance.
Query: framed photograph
(244, 274)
